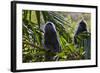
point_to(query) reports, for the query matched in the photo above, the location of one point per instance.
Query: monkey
(51, 41)
(50, 38)
(81, 28)
(84, 42)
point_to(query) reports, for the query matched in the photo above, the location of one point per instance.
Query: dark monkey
(81, 28)
(51, 42)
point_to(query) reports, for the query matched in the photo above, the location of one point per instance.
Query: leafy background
(66, 24)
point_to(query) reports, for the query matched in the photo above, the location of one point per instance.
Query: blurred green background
(66, 24)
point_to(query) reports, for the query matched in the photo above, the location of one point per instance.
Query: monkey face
(82, 24)
(50, 27)
(81, 27)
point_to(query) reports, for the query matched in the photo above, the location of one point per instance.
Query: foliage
(33, 23)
